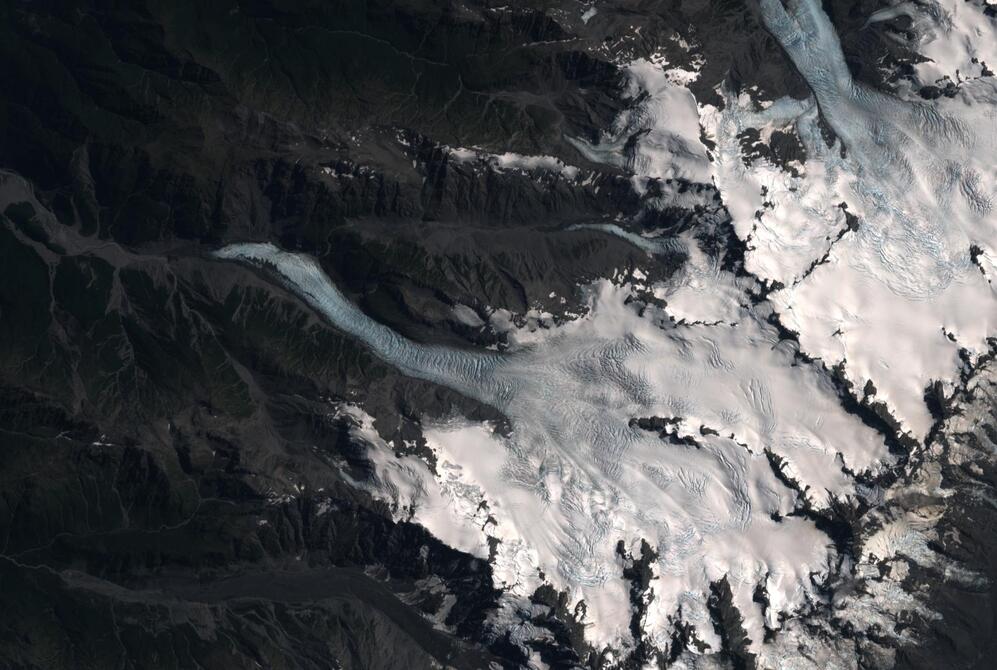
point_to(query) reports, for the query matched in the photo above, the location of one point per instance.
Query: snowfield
(578, 473)
(895, 300)
(695, 426)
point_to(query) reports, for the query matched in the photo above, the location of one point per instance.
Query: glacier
(695, 425)
(577, 474)
(897, 299)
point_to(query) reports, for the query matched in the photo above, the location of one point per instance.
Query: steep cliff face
(456, 334)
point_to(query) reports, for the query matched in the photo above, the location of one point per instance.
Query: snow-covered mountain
(574, 335)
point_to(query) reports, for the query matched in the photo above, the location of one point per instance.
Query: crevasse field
(750, 432)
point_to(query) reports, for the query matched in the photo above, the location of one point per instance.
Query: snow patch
(580, 471)
(514, 161)
(667, 122)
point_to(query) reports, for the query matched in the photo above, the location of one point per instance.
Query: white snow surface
(652, 245)
(956, 37)
(667, 120)
(893, 301)
(701, 292)
(896, 299)
(512, 161)
(575, 476)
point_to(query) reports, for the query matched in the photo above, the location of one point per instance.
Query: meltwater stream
(578, 473)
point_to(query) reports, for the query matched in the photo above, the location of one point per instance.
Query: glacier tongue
(702, 436)
(722, 407)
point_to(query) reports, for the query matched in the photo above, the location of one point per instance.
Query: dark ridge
(728, 624)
